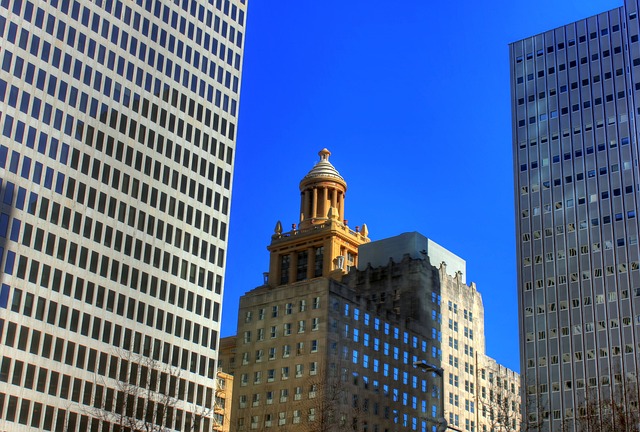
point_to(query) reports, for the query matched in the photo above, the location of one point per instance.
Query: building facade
(329, 343)
(575, 144)
(479, 394)
(222, 405)
(118, 123)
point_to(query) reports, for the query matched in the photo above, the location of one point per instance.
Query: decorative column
(314, 203)
(306, 203)
(325, 198)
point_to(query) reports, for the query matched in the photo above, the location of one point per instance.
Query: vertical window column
(301, 266)
(285, 263)
(293, 267)
(318, 261)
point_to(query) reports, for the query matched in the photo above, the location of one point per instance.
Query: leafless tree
(536, 410)
(321, 403)
(614, 412)
(330, 407)
(501, 406)
(147, 396)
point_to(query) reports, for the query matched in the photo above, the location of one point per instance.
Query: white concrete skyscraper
(117, 137)
(575, 109)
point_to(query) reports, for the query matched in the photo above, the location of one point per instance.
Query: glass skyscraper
(117, 137)
(575, 109)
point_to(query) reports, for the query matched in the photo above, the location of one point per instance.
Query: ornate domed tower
(322, 193)
(322, 245)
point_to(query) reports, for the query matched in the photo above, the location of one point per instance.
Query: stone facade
(332, 347)
(222, 403)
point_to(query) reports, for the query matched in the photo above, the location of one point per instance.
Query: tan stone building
(479, 394)
(499, 402)
(223, 401)
(329, 342)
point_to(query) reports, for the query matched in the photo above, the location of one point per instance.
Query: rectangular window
(301, 273)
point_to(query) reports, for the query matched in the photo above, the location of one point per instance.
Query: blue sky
(412, 99)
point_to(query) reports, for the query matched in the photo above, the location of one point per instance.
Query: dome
(323, 169)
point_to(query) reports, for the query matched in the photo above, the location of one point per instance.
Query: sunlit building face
(118, 122)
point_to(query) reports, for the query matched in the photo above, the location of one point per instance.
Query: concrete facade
(575, 145)
(118, 126)
(416, 246)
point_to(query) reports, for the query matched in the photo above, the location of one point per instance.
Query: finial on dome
(324, 154)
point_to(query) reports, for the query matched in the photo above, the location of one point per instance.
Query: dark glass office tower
(575, 109)
(117, 137)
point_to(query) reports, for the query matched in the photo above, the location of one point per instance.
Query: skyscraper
(575, 104)
(118, 124)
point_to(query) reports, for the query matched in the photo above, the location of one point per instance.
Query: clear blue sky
(412, 99)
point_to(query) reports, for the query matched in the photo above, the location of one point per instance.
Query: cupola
(322, 193)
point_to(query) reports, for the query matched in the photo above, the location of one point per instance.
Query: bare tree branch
(147, 396)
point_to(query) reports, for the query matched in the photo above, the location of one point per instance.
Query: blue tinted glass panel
(42, 144)
(60, 183)
(33, 201)
(19, 135)
(4, 292)
(8, 193)
(8, 125)
(64, 153)
(4, 225)
(37, 173)
(3, 156)
(26, 167)
(48, 178)
(6, 61)
(28, 11)
(15, 230)
(53, 148)
(31, 137)
(8, 265)
(22, 194)
(15, 160)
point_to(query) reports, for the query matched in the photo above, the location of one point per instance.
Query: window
(301, 271)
